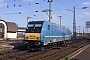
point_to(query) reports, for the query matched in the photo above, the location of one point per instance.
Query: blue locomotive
(43, 34)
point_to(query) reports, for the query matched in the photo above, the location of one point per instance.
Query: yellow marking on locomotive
(32, 36)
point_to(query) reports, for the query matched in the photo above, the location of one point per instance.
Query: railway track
(58, 53)
(54, 53)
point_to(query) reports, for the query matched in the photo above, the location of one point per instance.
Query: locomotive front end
(33, 35)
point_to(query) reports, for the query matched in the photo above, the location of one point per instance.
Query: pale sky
(18, 10)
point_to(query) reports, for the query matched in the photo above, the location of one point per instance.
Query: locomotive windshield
(34, 27)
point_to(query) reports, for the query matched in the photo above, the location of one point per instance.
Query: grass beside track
(68, 56)
(74, 53)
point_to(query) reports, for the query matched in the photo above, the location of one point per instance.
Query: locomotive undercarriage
(37, 45)
(34, 45)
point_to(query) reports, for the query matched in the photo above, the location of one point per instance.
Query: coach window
(48, 27)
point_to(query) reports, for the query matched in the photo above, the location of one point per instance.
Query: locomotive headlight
(37, 43)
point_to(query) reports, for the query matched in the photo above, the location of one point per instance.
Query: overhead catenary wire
(14, 5)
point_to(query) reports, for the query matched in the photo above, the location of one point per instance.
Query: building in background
(10, 30)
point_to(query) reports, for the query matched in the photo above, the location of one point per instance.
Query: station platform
(9, 44)
(11, 39)
(84, 54)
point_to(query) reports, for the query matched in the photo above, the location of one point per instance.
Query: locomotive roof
(36, 21)
(51, 22)
(58, 25)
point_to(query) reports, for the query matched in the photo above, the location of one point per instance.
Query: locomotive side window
(48, 27)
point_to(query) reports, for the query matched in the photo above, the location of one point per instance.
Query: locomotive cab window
(30, 25)
(38, 25)
(34, 27)
(48, 27)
